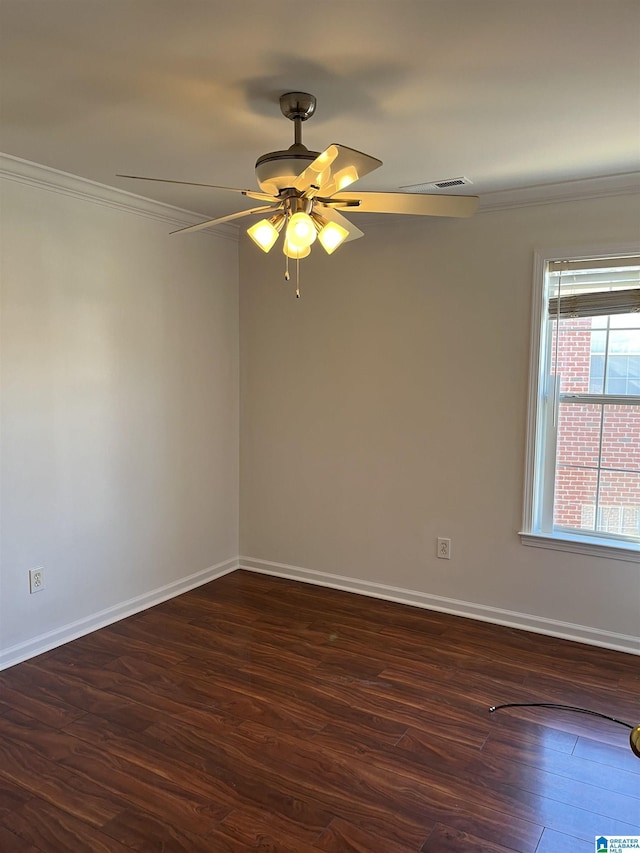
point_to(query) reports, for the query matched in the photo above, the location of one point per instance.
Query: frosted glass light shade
(292, 252)
(301, 232)
(331, 236)
(263, 234)
(346, 176)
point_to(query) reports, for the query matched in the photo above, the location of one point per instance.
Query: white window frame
(538, 531)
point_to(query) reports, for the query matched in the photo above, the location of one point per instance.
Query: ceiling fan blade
(248, 193)
(336, 168)
(416, 204)
(333, 216)
(220, 219)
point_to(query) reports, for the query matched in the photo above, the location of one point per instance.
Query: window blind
(595, 287)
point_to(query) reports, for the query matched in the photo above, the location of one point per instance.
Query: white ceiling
(509, 93)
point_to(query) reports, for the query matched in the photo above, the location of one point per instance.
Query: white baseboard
(524, 621)
(50, 640)
(510, 618)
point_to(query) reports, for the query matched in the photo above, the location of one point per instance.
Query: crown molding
(53, 180)
(45, 177)
(626, 183)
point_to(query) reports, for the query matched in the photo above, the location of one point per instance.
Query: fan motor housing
(279, 169)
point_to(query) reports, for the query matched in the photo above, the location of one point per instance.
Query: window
(583, 458)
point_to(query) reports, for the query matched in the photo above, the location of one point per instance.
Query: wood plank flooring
(256, 713)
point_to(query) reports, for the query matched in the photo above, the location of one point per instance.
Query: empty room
(320, 426)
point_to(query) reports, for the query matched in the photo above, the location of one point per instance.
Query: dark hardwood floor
(255, 713)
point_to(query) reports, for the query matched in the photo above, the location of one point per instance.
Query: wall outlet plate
(36, 580)
(444, 548)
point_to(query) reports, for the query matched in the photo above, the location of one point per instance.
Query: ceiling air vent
(434, 186)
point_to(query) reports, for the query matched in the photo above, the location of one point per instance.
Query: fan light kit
(304, 193)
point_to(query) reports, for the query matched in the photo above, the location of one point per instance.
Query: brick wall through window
(597, 482)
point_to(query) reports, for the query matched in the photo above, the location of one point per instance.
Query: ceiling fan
(304, 190)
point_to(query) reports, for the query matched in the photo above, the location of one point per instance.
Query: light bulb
(332, 236)
(263, 234)
(291, 252)
(301, 232)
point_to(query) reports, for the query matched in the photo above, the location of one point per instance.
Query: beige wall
(119, 409)
(387, 407)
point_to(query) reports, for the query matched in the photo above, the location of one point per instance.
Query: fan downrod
(278, 169)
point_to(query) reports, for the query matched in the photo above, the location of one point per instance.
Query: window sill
(630, 552)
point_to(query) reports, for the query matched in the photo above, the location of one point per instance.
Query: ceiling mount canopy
(302, 192)
(297, 105)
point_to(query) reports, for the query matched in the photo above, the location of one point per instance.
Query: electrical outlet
(444, 549)
(36, 580)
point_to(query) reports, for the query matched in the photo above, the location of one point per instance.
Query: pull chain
(297, 278)
(286, 268)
